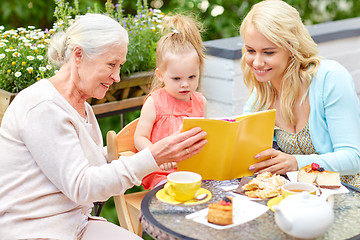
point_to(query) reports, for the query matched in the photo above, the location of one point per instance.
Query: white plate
(244, 211)
(293, 178)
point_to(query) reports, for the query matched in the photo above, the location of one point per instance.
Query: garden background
(221, 19)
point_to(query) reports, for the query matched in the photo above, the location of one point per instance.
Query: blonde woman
(318, 111)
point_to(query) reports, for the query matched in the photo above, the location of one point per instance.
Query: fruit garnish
(315, 166)
(226, 201)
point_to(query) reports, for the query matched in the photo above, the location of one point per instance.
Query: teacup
(182, 185)
(297, 187)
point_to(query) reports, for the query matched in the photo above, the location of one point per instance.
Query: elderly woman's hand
(179, 146)
(277, 162)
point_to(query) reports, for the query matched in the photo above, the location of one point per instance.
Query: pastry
(265, 185)
(221, 213)
(317, 175)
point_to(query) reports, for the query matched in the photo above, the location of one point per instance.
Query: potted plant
(22, 61)
(23, 55)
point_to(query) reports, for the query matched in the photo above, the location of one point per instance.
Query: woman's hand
(179, 146)
(277, 162)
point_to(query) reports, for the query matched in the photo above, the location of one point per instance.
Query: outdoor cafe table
(166, 221)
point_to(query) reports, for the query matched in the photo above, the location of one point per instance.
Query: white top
(53, 166)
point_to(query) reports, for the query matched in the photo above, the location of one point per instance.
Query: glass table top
(166, 221)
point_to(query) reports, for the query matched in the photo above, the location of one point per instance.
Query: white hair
(92, 32)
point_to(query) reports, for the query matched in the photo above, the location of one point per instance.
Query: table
(165, 221)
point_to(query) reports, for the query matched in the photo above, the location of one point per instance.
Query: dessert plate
(243, 211)
(162, 196)
(231, 189)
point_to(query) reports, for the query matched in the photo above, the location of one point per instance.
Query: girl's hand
(168, 166)
(178, 146)
(277, 162)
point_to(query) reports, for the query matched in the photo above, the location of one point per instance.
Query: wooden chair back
(127, 205)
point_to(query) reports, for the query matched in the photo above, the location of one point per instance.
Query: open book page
(231, 145)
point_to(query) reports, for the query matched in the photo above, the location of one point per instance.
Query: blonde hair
(181, 34)
(281, 24)
(92, 32)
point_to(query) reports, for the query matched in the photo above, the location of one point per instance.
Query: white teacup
(297, 187)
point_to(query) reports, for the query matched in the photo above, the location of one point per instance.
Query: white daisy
(2, 55)
(30, 58)
(39, 57)
(48, 67)
(17, 74)
(16, 54)
(2, 44)
(43, 69)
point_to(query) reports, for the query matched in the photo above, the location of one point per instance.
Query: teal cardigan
(334, 120)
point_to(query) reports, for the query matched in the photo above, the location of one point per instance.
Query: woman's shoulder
(332, 72)
(36, 93)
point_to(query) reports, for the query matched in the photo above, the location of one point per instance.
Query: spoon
(201, 197)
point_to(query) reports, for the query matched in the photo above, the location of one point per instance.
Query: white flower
(33, 48)
(2, 28)
(39, 57)
(30, 69)
(2, 44)
(31, 27)
(48, 67)
(16, 54)
(41, 46)
(17, 74)
(2, 55)
(56, 71)
(30, 58)
(43, 69)
(47, 40)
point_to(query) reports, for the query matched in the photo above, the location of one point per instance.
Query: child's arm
(205, 107)
(144, 129)
(145, 125)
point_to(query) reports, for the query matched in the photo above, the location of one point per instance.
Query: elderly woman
(317, 109)
(53, 165)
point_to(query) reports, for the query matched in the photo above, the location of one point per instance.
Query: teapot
(304, 215)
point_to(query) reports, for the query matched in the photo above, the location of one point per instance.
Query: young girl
(179, 60)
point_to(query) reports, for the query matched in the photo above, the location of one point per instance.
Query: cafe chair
(127, 205)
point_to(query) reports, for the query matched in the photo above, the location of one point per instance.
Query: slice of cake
(319, 176)
(221, 213)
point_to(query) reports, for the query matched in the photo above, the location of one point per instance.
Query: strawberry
(315, 166)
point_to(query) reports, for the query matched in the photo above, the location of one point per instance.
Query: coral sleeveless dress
(169, 117)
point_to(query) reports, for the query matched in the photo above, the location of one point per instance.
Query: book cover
(232, 145)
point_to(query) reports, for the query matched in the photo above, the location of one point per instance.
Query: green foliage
(227, 23)
(143, 29)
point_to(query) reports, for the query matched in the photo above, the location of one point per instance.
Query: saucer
(162, 196)
(274, 201)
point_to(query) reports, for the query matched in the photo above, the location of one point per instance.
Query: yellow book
(232, 145)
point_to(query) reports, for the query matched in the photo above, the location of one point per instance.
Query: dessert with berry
(221, 213)
(317, 175)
